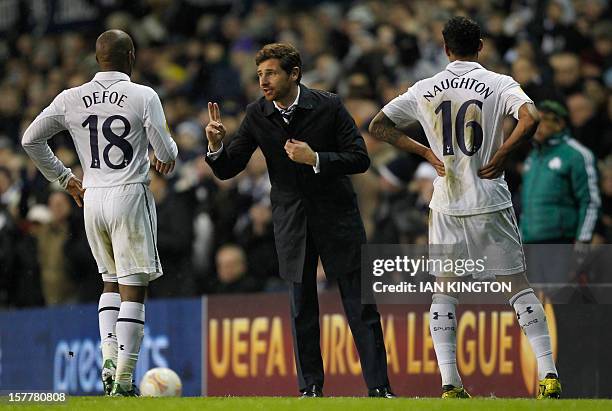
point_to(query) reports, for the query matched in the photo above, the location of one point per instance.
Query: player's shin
(108, 311)
(443, 328)
(130, 331)
(532, 319)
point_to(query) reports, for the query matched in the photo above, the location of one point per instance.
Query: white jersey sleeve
(111, 121)
(462, 111)
(157, 131)
(403, 109)
(48, 123)
(512, 97)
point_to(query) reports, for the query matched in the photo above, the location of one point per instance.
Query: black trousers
(363, 320)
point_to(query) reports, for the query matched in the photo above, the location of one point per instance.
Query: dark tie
(287, 113)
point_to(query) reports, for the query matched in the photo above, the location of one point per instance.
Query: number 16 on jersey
(447, 128)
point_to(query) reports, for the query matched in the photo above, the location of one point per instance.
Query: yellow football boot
(449, 391)
(550, 387)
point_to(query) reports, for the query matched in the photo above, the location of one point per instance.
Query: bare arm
(528, 121)
(384, 129)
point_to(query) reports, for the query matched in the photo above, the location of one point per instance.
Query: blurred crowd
(216, 236)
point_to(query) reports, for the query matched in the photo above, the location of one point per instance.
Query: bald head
(115, 51)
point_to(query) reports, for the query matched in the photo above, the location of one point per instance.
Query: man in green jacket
(560, 194)
(560, 198)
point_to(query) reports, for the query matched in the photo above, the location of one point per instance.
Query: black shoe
(312, 392)
(381, 392)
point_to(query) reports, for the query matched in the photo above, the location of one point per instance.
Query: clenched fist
(300, 152)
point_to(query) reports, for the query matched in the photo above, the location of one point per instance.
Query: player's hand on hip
(435, 162)
(163, 168)
(76, 190)
(300, 152)
(495, 167)
(215, 130)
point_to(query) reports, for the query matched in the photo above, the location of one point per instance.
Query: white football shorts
(491, 241)
(121, 227)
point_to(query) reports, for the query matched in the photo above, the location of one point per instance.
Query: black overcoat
(323, 204)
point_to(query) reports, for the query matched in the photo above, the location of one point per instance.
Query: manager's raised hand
(215, 130)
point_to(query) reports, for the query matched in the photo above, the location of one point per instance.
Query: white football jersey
(112, 121)
(462, 110)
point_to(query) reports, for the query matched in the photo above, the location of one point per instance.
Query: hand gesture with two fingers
(215, 130)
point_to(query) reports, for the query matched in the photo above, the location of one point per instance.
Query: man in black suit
(310, 143)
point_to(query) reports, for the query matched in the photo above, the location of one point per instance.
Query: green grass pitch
(313, 404)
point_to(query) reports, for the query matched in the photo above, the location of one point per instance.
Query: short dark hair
(288, 56)
(462, 36)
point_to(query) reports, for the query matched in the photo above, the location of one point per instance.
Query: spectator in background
(257, 239)
(589, 127)
(359, 101)
(556, 33)
(8, 238)
(566, 73)
(232, 272)
(325, 74)
(57, 286)
(22, 277)
(404, 208)
(495, 30)
(606, 194)
(560, 196)
(6, 188)
(253, 229)
(174, 237)
(9, 177)
(527, 74)
(188, 140)
(10, 112)
(80, 265)
(607, 133)
(422, 187)
(392, 220)
(598, 60)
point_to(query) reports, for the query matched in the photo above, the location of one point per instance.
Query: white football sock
(130, 330)
(532, 319)
(443, 329)
(108, 311)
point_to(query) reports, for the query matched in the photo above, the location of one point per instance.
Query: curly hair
(462, 36)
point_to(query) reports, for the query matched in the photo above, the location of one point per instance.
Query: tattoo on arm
(384, 129)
